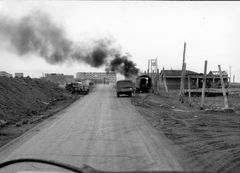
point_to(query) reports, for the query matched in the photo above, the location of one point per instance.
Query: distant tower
(152, 65)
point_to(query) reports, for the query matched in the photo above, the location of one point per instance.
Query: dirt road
(100, 130)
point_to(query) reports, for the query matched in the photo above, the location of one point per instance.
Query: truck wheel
(130, 95)
(118, 95)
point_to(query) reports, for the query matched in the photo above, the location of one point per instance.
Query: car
(124, 87)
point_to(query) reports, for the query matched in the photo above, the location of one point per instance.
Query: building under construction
(173, 78)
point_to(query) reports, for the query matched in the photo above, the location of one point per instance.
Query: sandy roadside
(209, 139)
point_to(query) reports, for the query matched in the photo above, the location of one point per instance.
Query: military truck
(124, 87)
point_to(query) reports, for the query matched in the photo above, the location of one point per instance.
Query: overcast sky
(144, 29)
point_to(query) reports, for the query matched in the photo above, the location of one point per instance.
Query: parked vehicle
(77, 87)
(143, 84)
(124, 87)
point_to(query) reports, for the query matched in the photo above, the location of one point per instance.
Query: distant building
(18, 74)
(98, 77)
(3, 73)
(59, 78)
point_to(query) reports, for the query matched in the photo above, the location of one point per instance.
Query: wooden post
(197, 82)
(184, 52)
(230, 75)
(223, 88)
(157, 81)
(148, 67)
(189, 91)
(164, 81)
(182, 83)
(204, 85)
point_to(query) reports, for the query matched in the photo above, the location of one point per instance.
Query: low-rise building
(5, 74)
(18, 74)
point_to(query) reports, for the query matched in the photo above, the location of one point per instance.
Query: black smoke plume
(37, 34)
(123, 65)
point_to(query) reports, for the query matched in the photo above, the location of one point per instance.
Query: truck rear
(124, 87)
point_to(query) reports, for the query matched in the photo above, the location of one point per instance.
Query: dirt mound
(21, 97)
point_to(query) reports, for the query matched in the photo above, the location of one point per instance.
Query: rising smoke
(37, 34)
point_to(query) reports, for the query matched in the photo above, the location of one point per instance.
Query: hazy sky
(144, 29)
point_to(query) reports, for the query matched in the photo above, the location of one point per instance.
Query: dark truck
(143, 84)
(124, 87)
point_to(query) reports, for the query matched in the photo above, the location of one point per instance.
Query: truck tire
(118, 95)
(130, 95)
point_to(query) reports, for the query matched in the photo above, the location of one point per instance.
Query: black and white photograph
(119, 86)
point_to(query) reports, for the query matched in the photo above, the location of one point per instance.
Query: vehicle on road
(124, 87)
(143, 84)
(77, 87)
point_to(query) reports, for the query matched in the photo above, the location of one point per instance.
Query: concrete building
(5, 74)
(18, 74)
(98, 77)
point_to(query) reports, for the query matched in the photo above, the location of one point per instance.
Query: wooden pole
(148, 67)
(204, 85)
(184, 52)
(189, 91)
(182, 83)
(230, 75)
(223, 88)
(157, 81)
(197, 82)
(164, 81)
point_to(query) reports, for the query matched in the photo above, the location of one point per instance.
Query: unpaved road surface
(100, 130)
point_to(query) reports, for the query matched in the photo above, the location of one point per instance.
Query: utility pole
(184, 52)
(182, 83)
(183, 74)
(230, 74)
(148, 68)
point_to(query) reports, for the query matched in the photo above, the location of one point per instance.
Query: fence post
(157, 81)
(189, 91)
(204, 84)
(164, 81)
(182, 83)
(223, 88)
